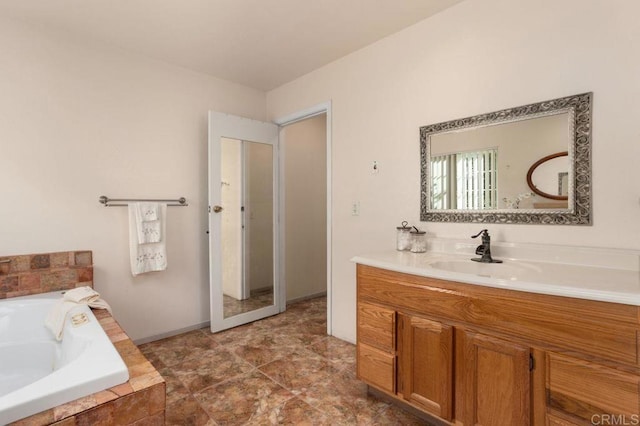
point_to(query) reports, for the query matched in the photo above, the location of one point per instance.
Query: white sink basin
(502, 271)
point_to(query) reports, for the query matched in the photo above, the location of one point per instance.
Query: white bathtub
(38, 373)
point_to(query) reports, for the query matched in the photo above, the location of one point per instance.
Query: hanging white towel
(72, 299)
(148, 256)
(148, 211)
(148, 223)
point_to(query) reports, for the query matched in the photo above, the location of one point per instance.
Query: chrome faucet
(484, 249)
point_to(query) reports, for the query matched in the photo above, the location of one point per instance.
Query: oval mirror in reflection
(549, 176)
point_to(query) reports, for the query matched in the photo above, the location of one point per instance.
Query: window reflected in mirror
(465, 180)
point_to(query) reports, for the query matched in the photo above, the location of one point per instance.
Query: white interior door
(243, 196)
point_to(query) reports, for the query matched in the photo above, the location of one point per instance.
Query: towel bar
(5, 261)
(115, 202)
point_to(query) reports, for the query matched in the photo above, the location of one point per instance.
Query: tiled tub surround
(141, 400)
(28, 274)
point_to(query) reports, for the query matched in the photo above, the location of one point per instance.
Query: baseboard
(171, 333)
(307, 297)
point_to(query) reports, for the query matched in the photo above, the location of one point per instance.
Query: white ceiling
(257, 43)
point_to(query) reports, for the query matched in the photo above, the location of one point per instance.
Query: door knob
(217, 209)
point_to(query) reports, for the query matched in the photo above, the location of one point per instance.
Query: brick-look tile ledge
(27, 274)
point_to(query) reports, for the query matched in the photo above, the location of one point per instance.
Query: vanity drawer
(584, 389)
(377, 326)
(376, 367)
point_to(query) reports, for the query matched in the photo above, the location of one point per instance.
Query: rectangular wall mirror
(528, 164)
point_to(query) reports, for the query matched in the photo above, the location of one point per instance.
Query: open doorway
(317, 203)
(304, 153)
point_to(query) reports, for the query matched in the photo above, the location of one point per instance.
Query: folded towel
(148, 211)
(81, 295)
(147, 256)
(148, 223)
(72, 299)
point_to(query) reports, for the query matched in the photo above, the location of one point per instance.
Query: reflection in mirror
(484, 168)
(548, 177)
(247, 226)
(475, 169)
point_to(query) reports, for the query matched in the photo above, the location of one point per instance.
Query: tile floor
(280, 370)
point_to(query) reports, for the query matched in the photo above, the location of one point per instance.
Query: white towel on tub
(147, 256)
(71, 299)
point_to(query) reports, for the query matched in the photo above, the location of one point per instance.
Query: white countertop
(607, 284)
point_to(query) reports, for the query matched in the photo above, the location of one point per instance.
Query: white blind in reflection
(465, 180)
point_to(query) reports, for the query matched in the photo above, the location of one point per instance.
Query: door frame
(321, 108)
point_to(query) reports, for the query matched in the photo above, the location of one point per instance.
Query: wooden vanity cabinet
(474, 355)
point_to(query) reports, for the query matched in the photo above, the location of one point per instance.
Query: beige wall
(304, 147)
(476, 57)
(78, 121)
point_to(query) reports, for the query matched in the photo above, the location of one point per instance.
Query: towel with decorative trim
(148, 223)
(147, 256)
(71, 299)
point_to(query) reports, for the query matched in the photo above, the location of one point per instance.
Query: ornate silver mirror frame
(578, 212)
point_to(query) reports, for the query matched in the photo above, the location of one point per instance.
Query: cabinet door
(494, 376)
(425, 357)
